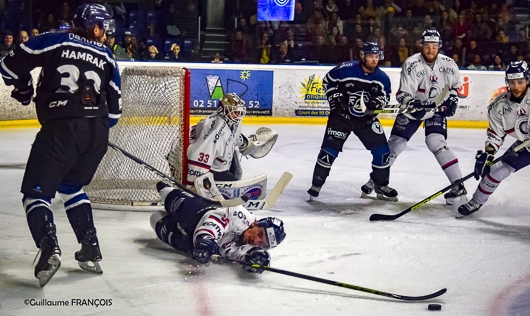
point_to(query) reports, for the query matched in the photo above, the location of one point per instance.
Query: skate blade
(311, 198)
(91, 266)
(365, 195)
(453, 201)
(45, 276)
(386, 198)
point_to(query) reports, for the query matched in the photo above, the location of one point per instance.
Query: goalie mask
(274, 230)
(232, 107)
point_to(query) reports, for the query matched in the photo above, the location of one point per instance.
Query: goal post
(154, 127)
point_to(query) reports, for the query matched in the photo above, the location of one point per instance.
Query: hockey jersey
(226, 225)
(507, 117)
(350, 79)
(419, 81)
(212, 144)
(73, 64)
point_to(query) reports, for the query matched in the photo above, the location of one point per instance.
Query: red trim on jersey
(218, 220)
(449, 164)
(491, 131)
(421, 90)
(205, 230)
(219, 159)
(511, 130)
(199, 164)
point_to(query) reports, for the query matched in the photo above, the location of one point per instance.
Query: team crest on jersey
(433, 79)
(434, 91)
(377, 128)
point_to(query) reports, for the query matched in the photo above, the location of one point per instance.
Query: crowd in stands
(478, 35)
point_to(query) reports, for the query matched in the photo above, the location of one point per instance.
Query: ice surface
(482, 261)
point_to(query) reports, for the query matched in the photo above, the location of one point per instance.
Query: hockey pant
(177, 225)
(372, 136)
(435, 139)
(510, 163)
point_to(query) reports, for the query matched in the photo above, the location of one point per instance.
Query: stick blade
(424, 297)
(382, 217)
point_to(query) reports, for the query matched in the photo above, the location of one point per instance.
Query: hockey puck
(434, 307)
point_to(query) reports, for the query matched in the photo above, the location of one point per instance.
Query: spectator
(389, 21)
(398, 33)
(175, 53)
(478, 28)
(264, 49)
(420, 9)
(117, 49)
(458, 9)
(358, 31)
(390, 4)
(461, 27)
(334, 36)
(472, 11)
(49, 24)
(457, 49)
(502, 38)
(315, 23)
(320, 51)
(374, 36)
(511, 54)
(7, 43)
(128, 46)
(22, 37)
(153, 54)
(408, 21)
(195, 54)
(346, 10)
(281, 33)
(416, 47)
(370, 10)
(472, 50)
(143, 53)
(490, 12)
(497, 64)
(289, 41)
(456, 59)
(169, 22)
(216, 58)
(500, 25)
(436, 10)
(283, 55)
(330, 8)
(334, 20)
(237, 9)
(65, 12)
(341, 52)
(428, 24)
(388, 52)
(504, 13)
(403, 52)
(239, 48)
(445, 27)
(356, 48)
(34, 32)
(477, 64)
(299, 14)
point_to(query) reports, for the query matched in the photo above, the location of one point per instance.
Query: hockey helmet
(516, 70)
(232, 107)
(274, 230)
(88, 15)
(372, 48)
(431, 36)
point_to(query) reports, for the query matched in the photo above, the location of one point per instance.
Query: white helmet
(232, 107)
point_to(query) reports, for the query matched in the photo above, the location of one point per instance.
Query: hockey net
(154, 127)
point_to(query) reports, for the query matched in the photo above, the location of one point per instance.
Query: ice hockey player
(507, 115)
(191, 225)
(423, 78)
(215, 143)
(346, 87)
(77, 101)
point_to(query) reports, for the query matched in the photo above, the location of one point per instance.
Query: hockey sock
(323, 166)
(380, 165)
(78, 209)
(444, 155)
(396, 145)
(39, 215)
(491, 182)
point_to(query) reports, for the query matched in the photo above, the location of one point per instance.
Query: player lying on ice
(216, 146)
(191, 225)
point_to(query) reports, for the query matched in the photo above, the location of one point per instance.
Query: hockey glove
(205, 247)
(338, 101)
(483, 164)
(449, 106)
(23, 95)
(259, 256)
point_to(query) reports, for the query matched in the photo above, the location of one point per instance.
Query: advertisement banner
(209, 85)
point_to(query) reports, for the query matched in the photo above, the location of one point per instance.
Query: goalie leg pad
(489, 183)
(444, 155)
(254, 188)
(325, 160)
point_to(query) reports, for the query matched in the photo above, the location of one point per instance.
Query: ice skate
(456, 193)
(314, 191)
(89, 255)
(50, 256)
(386, 193)
(468, 208)
(367, 188)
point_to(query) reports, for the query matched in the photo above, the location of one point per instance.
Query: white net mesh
(153, 127)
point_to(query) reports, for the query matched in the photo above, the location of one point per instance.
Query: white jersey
(212, 144)
(226, 225)
(507, 117)
(419, 81)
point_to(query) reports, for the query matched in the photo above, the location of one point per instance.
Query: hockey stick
(335, 283)
(400, 108)
(271, 199)
(225, 203)
(383, 217)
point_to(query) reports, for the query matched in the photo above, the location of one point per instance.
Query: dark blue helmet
(371, 48)
(431, 36)
(274, 229)
(517, 70)
(88, 15)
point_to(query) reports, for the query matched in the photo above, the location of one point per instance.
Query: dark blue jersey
(350, 79)
(79, 77)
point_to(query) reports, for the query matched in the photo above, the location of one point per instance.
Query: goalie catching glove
(259, 256)
(259, 144)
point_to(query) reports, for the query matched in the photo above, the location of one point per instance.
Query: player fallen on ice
(345, 86)
(507, 115)
(216, 144)
(191, 225)
(77, 101)
(423, 78)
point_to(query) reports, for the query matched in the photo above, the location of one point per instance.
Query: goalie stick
(400, 108)
(335, 283)
(271, 199)
(383, 217)
(224, 203)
